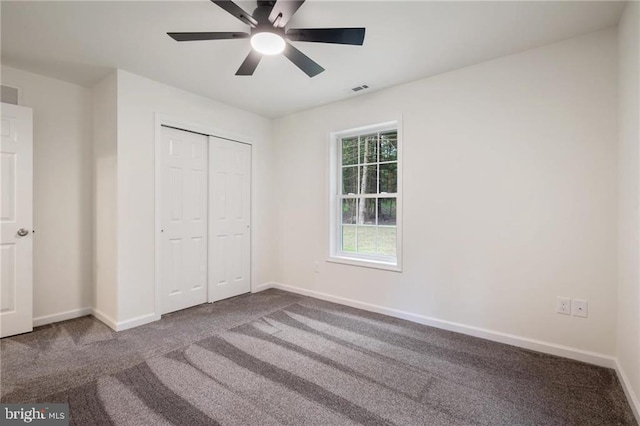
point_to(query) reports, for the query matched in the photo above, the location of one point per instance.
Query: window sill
(374, 264)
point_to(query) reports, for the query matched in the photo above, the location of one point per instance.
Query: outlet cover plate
(563, 305)
(579, 308)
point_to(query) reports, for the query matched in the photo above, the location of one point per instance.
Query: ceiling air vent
(359, 88)
(9, 95)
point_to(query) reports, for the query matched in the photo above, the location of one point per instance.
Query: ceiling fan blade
(285, 10)
(206, 36)
(302, 61)
(250, 63)
(354, 36)
(236, 11)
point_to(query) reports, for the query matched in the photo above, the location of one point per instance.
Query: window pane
(387, 211)
(367, 211)
(369, 176)
(349, 151)
(349, 238)
(389, 178)
(389, 146)
(387, 240)
(350, 180)
(367, 236)
(368, 185)
(369, 148)
(349, 211)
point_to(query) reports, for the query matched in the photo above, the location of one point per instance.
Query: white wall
(139, 99)
(105, 158)
(629, 198)
(62, 193)
(510, 194)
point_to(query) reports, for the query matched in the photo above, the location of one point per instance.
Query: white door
(229, 219)
(16, 205)
(184, 219)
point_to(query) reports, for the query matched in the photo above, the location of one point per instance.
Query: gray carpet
(276, 358)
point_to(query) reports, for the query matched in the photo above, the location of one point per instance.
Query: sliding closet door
(184, 211)
(229, 219)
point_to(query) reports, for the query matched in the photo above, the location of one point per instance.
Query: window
(365, 200)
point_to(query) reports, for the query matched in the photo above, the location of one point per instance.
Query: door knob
(22, 232)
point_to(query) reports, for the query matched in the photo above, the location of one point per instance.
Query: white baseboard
(106, 319)
(62, 316)
(124, 325)
(262, 287)
(136, 322)
(628, 391)
(496, 336)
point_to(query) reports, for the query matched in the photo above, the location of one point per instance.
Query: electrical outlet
(563, 305)
(316, 267)
(579, 308)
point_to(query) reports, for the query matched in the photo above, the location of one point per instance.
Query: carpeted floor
(278, 358)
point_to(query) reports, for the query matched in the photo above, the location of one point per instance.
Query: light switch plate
(579, 308)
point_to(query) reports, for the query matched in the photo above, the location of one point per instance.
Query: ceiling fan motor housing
(261, 13)
(267, 28)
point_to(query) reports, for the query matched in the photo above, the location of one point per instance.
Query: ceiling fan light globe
(267, 43)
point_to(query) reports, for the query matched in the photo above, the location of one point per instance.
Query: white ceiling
(80, 41)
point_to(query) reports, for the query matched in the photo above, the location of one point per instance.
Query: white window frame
(336, 255)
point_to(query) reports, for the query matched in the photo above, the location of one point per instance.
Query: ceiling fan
(270, 37)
